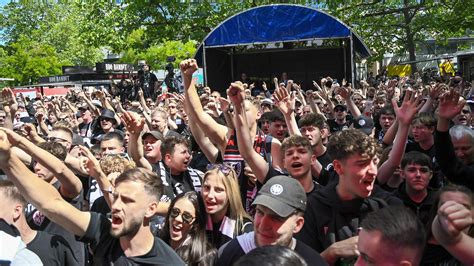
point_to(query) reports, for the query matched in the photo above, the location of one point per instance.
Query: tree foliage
(78, 32)
(393, 26)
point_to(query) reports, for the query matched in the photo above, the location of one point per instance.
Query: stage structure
(267, 40)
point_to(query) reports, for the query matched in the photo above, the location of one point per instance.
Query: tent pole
(345, 57)
(232, 64)
(204, 63)
(353, 74)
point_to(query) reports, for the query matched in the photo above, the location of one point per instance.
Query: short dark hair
(352, 141)
(295, 140)
(168, 145)
(151, 181)
(312, 119)
(271, 255)
(399, 227)
(416, 157)
(56, 149)
(113, 135)
(387, 110)
(276, 115)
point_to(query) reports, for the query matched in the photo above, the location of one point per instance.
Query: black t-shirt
(52, 249)
(335, 127)
(107, 249)
(100, 205)
(233, 251)
(324, 159)
(37, 221)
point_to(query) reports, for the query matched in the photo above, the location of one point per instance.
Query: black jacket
(422, 209)
(328, 219)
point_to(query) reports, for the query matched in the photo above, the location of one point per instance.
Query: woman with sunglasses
(184, 230)
(226, 216)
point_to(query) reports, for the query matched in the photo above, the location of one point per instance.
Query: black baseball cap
(283, 195)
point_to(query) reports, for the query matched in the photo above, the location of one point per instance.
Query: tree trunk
(410, 38)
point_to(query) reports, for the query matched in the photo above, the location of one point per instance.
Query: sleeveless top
(232, 157)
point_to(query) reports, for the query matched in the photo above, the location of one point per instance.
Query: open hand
(134, 125)
(450, 105)
(410, 106)
(284, 101)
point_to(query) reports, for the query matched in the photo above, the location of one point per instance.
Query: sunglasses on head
(186, 216)
(224, 168)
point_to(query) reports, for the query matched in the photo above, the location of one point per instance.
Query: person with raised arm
(124, 239)
(225, 138)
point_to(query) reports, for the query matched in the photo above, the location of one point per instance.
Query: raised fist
(188, 67)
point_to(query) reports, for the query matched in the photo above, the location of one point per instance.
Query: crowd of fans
(375, 173)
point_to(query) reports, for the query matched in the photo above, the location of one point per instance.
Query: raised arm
(286, 104)
(71, 185)
(256, 162)
(135, 126)
(455, 170)
(92, 166)
(345, 93)
(44, 196)
(142, 101)
(217, 133)
(207, 147)
(405, 113)
(448, 226)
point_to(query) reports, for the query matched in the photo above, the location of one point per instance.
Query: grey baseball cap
(283, 195)
(157, 135)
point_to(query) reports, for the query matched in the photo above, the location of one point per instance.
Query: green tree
(156, 55)
(27, 61)
(393, 26)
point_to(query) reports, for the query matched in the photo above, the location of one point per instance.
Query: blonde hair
(110, 164)
(235, 209)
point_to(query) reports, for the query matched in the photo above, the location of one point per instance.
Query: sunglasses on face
(56, 139)
(464, 111)
(119, 155)
(186, 216)
(339, 110)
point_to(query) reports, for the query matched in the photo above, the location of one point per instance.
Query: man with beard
(48, 168)
(280, 206)
(126, 239)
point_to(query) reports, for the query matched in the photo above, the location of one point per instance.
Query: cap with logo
(364, 123)
(283, 195)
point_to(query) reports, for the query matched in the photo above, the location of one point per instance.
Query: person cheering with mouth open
(126, 239)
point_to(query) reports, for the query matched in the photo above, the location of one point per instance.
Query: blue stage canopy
(280, 23)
